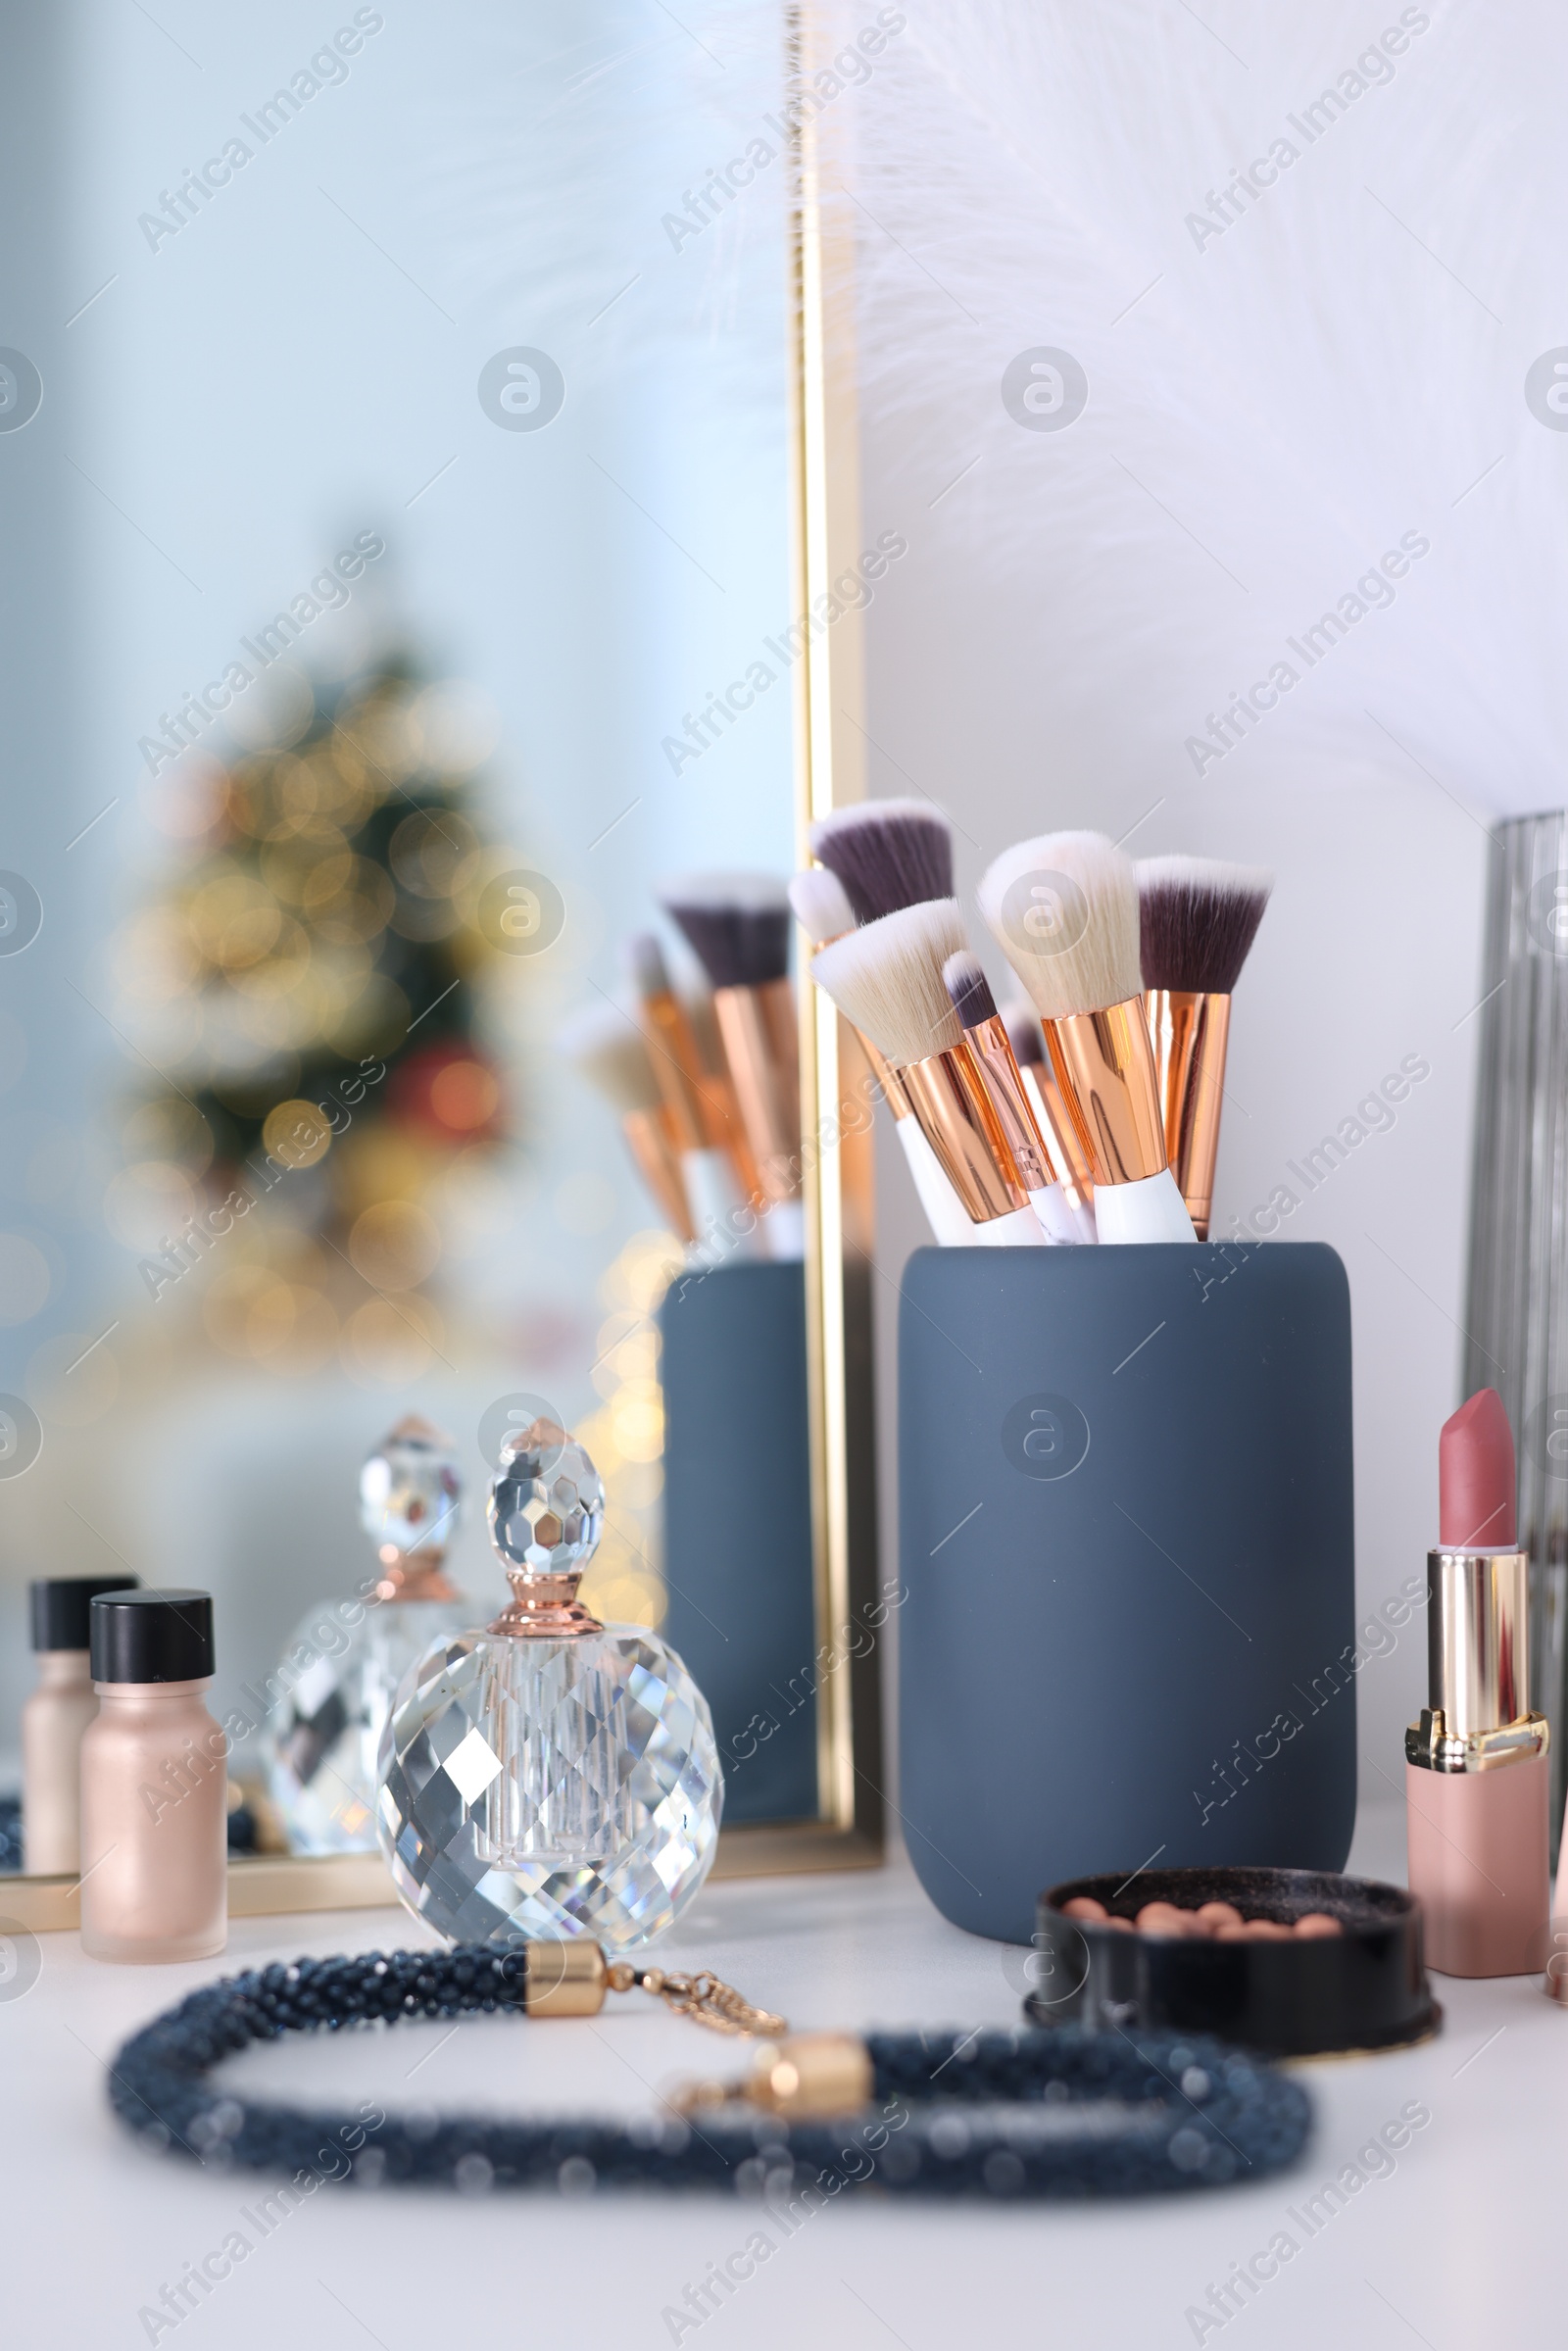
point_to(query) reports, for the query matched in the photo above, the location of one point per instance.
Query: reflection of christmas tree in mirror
(307, 986)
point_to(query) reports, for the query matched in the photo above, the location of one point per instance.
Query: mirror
(415, 489)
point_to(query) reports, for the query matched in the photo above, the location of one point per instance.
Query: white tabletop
(1452, 2245)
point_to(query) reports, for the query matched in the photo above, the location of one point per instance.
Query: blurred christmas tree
(306, 990)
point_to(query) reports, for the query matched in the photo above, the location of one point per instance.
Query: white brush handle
(1020, 1228)
(1084, 1218)
(716, 1208)
(1050, 1205)
(949, 1224)
(1151, 1209)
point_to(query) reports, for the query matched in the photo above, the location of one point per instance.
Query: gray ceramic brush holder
(1126, 1530)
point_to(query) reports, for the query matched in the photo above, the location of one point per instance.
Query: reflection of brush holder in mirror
(336, 1680)
(738, 1526)
(549, 1776)
(1127, 1534)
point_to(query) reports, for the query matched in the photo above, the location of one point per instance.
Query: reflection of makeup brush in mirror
(606, 1046)
(823, 910)
(886, 978)
(1064, 909)
(738, 926)
(1198, 919)
(1068, 1159)
(696, 1112)
(970, 992)
(888, 853)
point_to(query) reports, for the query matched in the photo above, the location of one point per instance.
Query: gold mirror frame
(829, 773)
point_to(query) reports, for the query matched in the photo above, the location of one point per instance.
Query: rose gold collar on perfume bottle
(413, 1575)
(545, 1608)
(1105, 1065)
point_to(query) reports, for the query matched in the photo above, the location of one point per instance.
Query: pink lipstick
(1476, 1775)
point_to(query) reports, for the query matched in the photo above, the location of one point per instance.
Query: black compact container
(1365, 1988)
(1127, 1545)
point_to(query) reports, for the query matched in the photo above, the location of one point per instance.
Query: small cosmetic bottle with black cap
(154, 1784)
(54, 1718)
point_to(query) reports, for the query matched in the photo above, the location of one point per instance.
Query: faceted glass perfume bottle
(341, 1670)
(549, 1776)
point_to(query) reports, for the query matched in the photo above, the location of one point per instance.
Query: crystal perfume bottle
(549, 1776)
(344, 1662)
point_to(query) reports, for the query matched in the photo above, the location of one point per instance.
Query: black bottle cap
(152, 1636)
(60, 1607)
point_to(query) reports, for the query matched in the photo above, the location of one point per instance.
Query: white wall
(1284, 402)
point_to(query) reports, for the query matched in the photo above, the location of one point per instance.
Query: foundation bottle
(54, 1718)
(154, 1784)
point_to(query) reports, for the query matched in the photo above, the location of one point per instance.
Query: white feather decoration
(1285, 388)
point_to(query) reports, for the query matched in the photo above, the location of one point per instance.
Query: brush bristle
(737, 925)
(606, 1046)
(645, 960)
(1024, 1035)
(1064, 909)
(969, 988)
(886, 978)
(821, 905)
(1198, 919)
(888, 853)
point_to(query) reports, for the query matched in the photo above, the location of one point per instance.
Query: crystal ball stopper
(411, 1496)
(546, 1513)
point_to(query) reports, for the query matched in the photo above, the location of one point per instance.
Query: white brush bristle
(1205, 874)
(821, 905)
(606, 1046)
(887, 979)
(1064, 909)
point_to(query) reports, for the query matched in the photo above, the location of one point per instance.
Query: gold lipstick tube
(993, 1051)
(758, 1030)
(1190, 1031)
(1104, 1065)
(649, 1138)
(948, 1096)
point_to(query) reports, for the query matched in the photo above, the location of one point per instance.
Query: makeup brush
(969, 993)
(695, 1106)
(1066, 1153)
(1064, 909)
(1197, 919)
(888, 853)
(823, 912)
(886, 978)
(607, 1048)
(738, 926)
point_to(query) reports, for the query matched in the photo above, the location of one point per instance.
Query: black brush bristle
(1198, 919)
(969, 989)
(1025, 1037)
(888, 853)
(741, 938)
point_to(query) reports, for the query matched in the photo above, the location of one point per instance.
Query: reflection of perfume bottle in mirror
(549, 1776)
(53, 1717)
(345, 1659)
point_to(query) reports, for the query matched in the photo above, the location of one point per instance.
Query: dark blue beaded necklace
(1022, 2114)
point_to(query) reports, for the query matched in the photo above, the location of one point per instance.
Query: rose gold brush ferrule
(993, 1051)
(1189, 1031)
(1104, 1065)
(701, 1105)
(1063, 1151)
(948, 1095)
(650, 1141)
(758, 1030)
